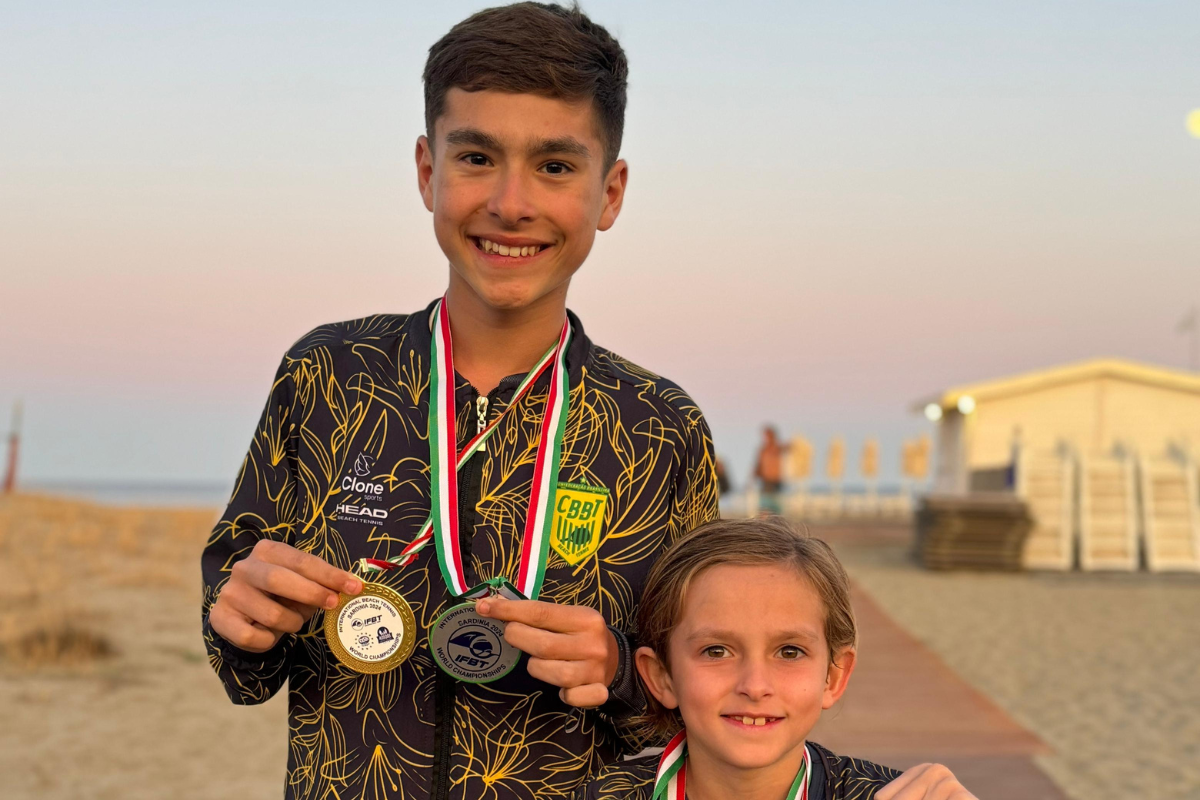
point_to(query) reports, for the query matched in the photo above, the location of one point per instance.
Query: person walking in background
(768, 469)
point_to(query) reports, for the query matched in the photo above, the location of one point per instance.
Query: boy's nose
(510, 200)
(754, 679)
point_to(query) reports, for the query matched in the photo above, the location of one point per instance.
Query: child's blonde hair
(742, 542)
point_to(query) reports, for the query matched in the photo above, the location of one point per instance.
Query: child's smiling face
(518, 189)
(750, 670)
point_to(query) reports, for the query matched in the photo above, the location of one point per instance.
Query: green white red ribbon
(670, 782)
(442, 525)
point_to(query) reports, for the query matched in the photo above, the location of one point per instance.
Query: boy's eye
(790, 652)
(556, 168)
(715, 651)
(476, 159)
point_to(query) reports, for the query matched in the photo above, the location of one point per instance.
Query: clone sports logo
(578, 517)
(354, 483)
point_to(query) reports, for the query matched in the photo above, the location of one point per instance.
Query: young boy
(519, 167)
(737, 694)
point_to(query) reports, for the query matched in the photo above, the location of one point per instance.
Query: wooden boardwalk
(905, 706)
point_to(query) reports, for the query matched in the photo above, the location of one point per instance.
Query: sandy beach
(107, 692)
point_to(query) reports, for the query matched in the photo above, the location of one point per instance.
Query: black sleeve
(263, 506)
(625, 698)
(694, 501)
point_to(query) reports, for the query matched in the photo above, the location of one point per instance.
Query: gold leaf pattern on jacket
(356, 393)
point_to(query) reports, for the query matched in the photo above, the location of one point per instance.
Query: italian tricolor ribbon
(670, 782)
(442, 525)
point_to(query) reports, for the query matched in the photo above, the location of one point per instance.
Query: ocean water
(167, 495)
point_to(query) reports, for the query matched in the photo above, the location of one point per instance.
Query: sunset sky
(834, 209)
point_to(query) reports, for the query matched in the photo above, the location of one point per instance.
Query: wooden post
(14, 443)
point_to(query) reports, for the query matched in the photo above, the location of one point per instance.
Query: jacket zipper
(446, 688)
(481, 414)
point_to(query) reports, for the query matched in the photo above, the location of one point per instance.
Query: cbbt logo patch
(578, 519)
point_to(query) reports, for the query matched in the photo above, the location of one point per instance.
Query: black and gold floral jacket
(834, 778)
(339, 467)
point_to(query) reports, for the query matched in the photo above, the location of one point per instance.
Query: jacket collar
(419, 335)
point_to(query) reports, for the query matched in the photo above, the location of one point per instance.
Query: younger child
(748, 635)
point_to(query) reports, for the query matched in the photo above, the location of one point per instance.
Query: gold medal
(372, 632)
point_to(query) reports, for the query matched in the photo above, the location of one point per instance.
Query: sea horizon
(215, 494)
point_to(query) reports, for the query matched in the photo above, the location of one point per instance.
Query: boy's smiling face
(518, 189)
(749, 666)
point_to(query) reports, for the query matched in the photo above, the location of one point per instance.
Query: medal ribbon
(670, 782)
(442, 525)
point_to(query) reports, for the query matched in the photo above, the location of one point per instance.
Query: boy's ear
(838, 677)
(614, 194)
(655, 676)
(425, 170)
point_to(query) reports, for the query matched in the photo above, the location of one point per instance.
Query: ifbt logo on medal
(475, 648)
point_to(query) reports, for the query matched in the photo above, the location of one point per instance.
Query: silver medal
(471, 647)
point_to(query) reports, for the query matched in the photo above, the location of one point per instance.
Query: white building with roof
(1104, 451)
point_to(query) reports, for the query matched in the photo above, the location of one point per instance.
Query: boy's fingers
(236, 629)
(308, 565)
(925, 782)
(545, 644)
(539, 614)
(592, 695)
(564, 674)
(284, 583)
(907, 778)
(259, 608)
(300, 608)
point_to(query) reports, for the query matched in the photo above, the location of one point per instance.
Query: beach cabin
(1103, 452)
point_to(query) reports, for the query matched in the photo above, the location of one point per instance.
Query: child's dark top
(339, 467)
(834, 778)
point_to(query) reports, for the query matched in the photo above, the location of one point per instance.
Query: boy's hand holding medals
(569, 646)
(277, 588)
(273, 591)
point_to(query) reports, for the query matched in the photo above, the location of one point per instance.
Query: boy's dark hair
(532, 48)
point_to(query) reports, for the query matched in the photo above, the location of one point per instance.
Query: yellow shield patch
(578, 517)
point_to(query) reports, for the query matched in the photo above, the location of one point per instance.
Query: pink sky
(816, 238)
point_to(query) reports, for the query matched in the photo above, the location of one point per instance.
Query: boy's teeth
(512, 252)
(757, 721)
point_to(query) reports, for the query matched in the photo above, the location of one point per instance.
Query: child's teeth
(512, 252)
(760, 720)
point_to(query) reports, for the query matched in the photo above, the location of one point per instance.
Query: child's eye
(716, 651)
(556, 168)
(791, 652)
(475, 159)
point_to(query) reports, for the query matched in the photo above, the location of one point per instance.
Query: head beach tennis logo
(578, 520)
(363, 493)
